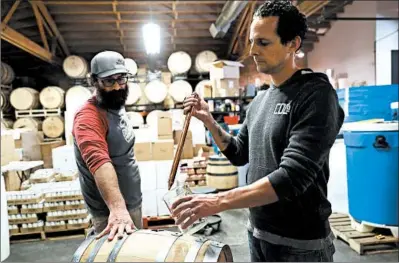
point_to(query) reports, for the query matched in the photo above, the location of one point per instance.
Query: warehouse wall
(348, 47)
(386, 40)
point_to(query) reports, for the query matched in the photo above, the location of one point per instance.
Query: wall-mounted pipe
(229, 13)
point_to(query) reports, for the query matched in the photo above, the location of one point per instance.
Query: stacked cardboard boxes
(225, 77)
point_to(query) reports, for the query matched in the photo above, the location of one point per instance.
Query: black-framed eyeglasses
(109, 82)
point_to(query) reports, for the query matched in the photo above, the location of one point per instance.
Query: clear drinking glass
(175, 193)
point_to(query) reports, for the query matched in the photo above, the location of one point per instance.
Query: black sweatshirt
(287, 136)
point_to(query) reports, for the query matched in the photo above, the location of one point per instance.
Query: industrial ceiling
(41, 33)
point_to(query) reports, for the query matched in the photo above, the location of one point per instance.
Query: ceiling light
(152, 38)
(300, 54)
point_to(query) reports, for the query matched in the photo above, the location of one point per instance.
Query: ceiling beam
(137, 12)
(247, 47)
(40, 24)
(134, 21)
(13, 37)
(68, 27)
(237, 30)
(11, 12)
(134, 3)
(310, 7)
(53, 26)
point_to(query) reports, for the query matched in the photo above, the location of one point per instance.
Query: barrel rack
(37, 113)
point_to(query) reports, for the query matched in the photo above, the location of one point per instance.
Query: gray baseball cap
(108, 63)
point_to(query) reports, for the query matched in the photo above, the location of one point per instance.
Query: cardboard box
(226, 87)
(12, 181)
(178, 133)
(188, 151)
(143, 151)
(197, 148)
(163, 150)
(31, 141)
(165, 127)
(8, 153)
(47, 152)
(64, 159)
(225, 69)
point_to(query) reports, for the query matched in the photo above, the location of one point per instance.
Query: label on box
(162, 150)
(143, 151)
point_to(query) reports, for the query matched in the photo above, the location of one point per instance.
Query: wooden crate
(376, 242)
(65, 217)
(52, 233)
(31, 210)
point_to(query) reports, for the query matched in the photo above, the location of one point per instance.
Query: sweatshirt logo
(282, 108)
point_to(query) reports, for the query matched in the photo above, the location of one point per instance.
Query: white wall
(386, 40)
(348, 47)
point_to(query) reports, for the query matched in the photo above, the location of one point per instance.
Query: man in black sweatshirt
(286, 139)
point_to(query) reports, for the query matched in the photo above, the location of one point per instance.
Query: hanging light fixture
(152, 38)
(300, 54)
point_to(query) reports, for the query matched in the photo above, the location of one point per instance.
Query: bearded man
(103, 143)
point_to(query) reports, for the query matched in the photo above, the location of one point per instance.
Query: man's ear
(295, 44)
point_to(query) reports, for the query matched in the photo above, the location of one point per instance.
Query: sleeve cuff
(93, 169)
(230, 150)
(281, 183)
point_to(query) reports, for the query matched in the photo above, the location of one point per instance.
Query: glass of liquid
(175, 193)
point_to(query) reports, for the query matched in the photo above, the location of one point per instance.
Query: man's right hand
(118, 222)
(201, 108)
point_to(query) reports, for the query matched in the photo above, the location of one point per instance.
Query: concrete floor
(232, 232)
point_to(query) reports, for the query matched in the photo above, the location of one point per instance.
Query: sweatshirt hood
(305, 75)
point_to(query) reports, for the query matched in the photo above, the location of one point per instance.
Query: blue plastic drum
(372, 169)
(394, 110)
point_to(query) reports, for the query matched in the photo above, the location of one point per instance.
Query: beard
(114, 99)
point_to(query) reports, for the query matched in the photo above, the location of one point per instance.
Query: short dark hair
(291, 22)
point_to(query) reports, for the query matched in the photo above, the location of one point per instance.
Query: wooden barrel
(30, 123)
(135, 118)
(152, 246)
(179, 90)
(203, 61)
(156, 91)
(75, 97)
(5, 102)
(6, 123)
(7, 74)
(75, 67)
(53, 126)
(131, 66)
(52, 97)
(24, 98)
(221, 174)
(179, 62)
(134, 93)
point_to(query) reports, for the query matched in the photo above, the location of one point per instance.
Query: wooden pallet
(37, 113)
(49, 235)
(376, 242)
(158, 222)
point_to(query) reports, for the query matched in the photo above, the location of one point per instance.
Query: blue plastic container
(372, 168)
(394, 110)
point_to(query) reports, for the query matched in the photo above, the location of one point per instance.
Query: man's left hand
(194, 207)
